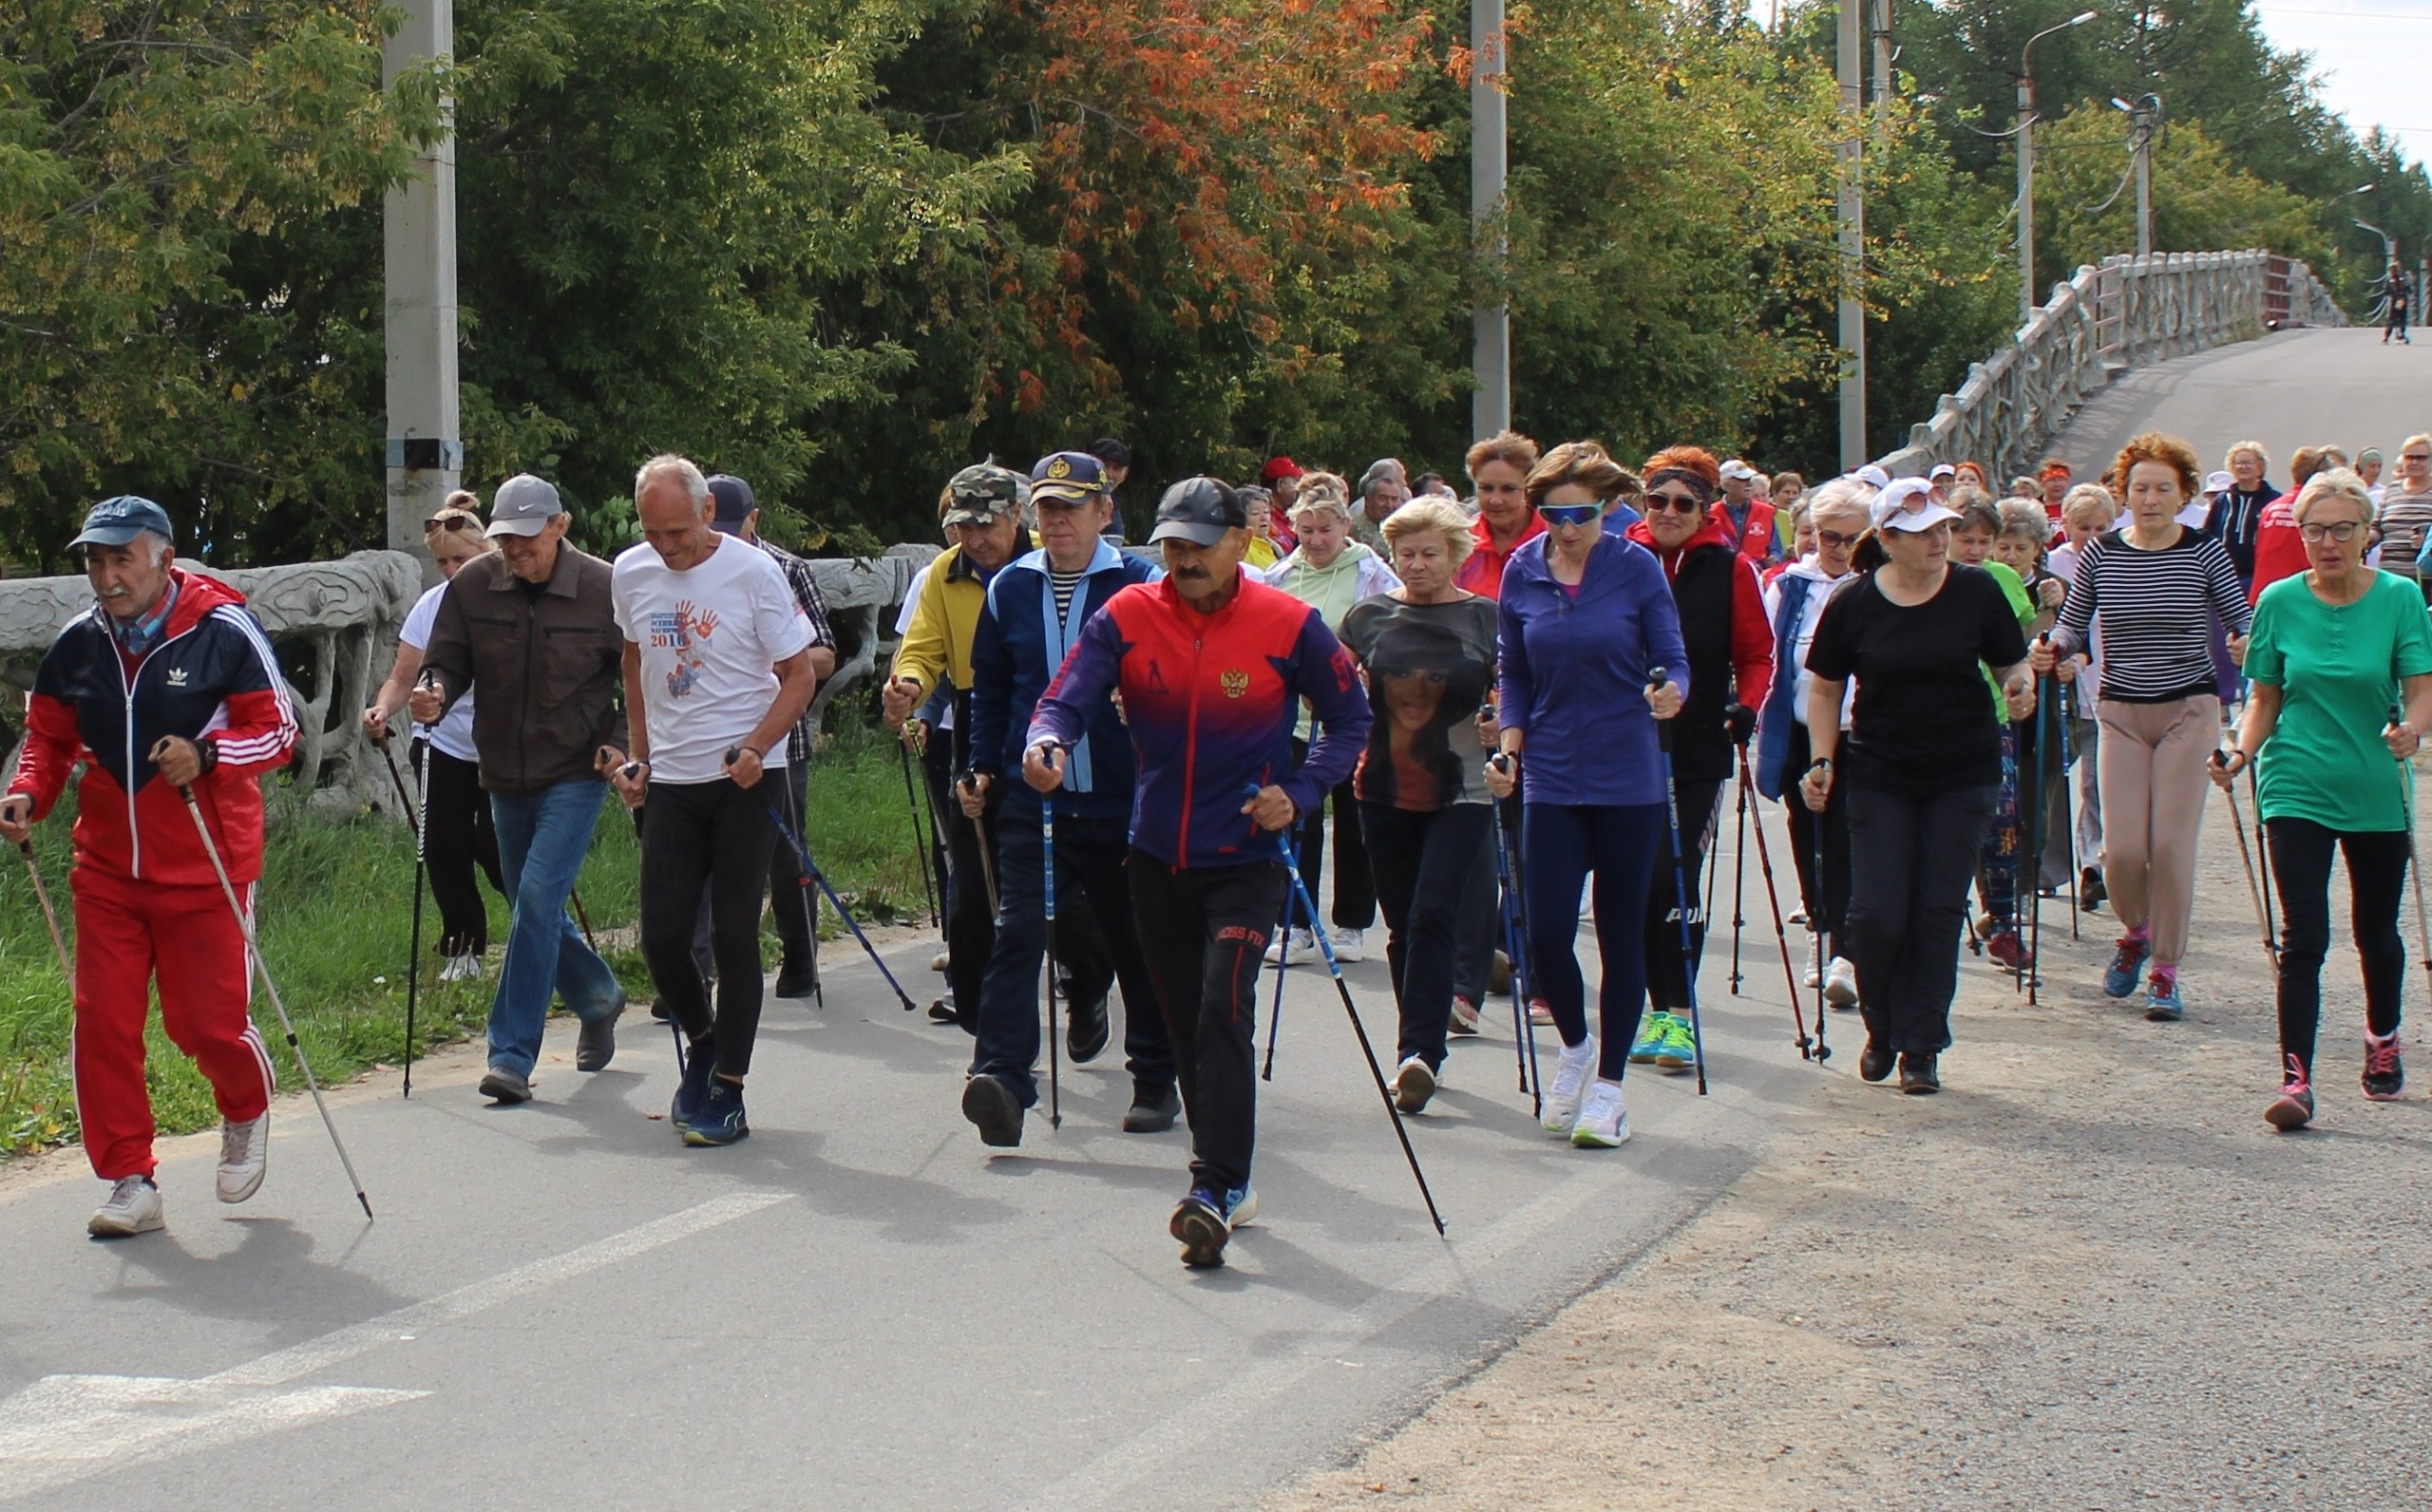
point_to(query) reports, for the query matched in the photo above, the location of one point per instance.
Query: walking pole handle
(1655, 679)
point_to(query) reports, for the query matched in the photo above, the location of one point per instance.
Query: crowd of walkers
(1488, 720)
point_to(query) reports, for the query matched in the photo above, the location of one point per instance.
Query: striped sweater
(2158, 610)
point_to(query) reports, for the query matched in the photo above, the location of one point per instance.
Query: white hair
(1847, 497)
(668, 465)
(162, 548)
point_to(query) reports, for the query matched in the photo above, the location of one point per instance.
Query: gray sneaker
(595, 1045)
(244, 1155)
(507, 1087)
(132, 1207)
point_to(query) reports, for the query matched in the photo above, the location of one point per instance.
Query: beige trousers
(2151, 759)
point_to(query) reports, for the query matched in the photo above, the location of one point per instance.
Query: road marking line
(66, 1428)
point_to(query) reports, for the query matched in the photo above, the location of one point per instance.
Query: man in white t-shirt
(717, 661)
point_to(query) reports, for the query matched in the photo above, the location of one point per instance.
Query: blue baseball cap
(116, 521)
(1074, 476)
(735, 504)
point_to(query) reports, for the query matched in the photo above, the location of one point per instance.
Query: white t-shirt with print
(711, 637)
(454, 731)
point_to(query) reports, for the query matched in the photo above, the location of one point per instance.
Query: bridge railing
(2124, 312)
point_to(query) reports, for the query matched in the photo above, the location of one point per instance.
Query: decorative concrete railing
(2127, 313)
(334, 624)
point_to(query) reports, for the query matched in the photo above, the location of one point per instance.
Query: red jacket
(212, 678)
(1758, 542)
(1482, 569)
(2279, 551)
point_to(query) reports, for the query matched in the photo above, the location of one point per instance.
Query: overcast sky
(2374, 57)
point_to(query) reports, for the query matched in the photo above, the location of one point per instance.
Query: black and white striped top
(2158, 610)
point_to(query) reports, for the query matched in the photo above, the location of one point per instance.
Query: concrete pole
(2144, 181)
(1489, 328)
(1850, 209)
(2027, 301)
(1880, 25)
(426, 453)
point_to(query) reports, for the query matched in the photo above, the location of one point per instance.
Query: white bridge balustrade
(2126, 313)
(334, 624)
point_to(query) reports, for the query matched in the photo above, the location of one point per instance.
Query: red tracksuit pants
(126, 930)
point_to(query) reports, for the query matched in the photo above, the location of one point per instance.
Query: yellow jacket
(938, 642)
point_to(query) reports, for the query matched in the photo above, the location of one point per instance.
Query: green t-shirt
(2338, 673)
(2023, 607)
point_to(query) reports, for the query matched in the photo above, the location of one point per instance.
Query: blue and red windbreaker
(1210, 701)
(213, 677)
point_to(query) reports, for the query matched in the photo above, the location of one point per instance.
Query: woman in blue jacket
(1585, 619)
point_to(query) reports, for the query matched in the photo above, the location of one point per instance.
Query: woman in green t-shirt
(2332, 654)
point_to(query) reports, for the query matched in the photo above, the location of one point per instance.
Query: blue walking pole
(1325, 947)
(812, 872)
(1655, 678)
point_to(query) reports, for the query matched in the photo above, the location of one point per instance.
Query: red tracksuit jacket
(213, 678)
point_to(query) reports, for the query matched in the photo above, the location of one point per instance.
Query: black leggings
(2376, 877)
(717, 835)
(1668, 979)
(458, 838)
(1426, 861)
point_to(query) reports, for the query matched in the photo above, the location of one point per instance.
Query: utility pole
(2027, 301)
(2142, 117)
(425, 452)
(1850, 205)
(1489, 327)
(1880, 25)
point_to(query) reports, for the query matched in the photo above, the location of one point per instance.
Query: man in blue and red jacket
(1212, 667)
(168, 683)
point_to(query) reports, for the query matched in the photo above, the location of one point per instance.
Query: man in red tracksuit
(1212, 666)
(168, 683)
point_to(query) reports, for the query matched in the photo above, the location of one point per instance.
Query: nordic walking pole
(2263, 864)
(1738, 876)
(1325, 947)
(1275, 1015)
(812, 872)
(49, 915)
(987, 863)
(1655, 679)
(1816, 922)
(912, 811)
(1807, 1047)
(2068, 813)
(2414, 861)
(1513, 905)
(1047, 849)
(2246, 858)
(270, 989)
(422, 858)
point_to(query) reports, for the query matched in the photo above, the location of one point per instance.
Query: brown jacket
(550, 664)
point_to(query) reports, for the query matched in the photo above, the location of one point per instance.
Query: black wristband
(207, 752)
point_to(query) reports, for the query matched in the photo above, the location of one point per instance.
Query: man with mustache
(1212, 666)
(168, 685)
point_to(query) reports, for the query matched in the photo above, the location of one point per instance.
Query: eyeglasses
(1834, 537)
(2343, 530)
(1570, 514)
(1686, 503)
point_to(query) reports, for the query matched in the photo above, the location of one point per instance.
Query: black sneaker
(660, 1010)
(1085, 1028)
(2091, 891)
(1918, 1077)
(507, 1087)
(2384, 1070)
(942, 1010)
(596, 1045)
(692, 1087)
(1199, 1224)
(994, 1109)
(1876, 1059)
(1153, 1110)
(797, 977)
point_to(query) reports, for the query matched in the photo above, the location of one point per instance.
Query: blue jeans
(542, 839)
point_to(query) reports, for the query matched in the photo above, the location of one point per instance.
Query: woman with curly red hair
(2158, 588)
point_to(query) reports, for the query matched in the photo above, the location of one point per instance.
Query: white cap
(2220, 483)
(1872, 477)
(1908, 504)
(1736, 469)
(1943, 469)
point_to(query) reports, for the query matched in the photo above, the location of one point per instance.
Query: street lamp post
(2027, 301)
(2147, 110)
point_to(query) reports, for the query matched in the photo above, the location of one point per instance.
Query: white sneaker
(1413, 1084)
(1814, 977)
(1570, 1076)
(461, 969)
(133, 1207)
(1841, 985)
(1605, 1123)
(244, 1155)
(1302, 944)
(1351, 944)
(941, 961)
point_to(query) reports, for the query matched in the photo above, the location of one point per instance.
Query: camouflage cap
(984, 491)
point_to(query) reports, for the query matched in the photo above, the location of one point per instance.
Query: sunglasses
(1571, 514)
(1684, 503)
(1834, 539)
(452, 520)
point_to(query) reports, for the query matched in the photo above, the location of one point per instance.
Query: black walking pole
(1827, 946)
(1808, 1049)
(912, 811)
(1046, 848)
(979, 826)
(1655, 678)
(270, 989)
(1325, 947)
(422, 858)
(1275, 1015)
(1513, 905)
(2068, 813)
(2263, 862)
(2254, 892)
(2031, 846)
(1738, 872)
(812, 872)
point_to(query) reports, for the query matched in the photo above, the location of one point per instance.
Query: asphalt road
(857, 1307)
